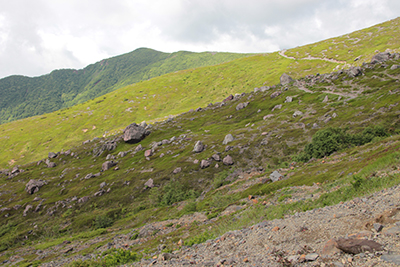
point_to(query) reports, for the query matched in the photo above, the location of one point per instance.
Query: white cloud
(39, 36)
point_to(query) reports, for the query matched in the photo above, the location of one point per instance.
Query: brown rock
(356, 246)
(148, 153)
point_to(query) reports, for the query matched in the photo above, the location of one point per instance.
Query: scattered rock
(198, 147)
(229, 98)
(216, 157)
(380, 57)
(355, 71)
(285, 79)
(275, 176)
(108, 165)
(297, 113)
(276, 94)
(276, 107)
(395, 67)
(204, 164)
(177, 170)
(33, 186)
(242, 105)
(148, 153)
(228, 160)
(228, 138)
(27, 209)
(134, 133)
(149, 183)
(103, 184)
(288, 99)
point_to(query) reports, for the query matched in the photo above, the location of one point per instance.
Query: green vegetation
(22, 97)
(357, 133)
(330, 140)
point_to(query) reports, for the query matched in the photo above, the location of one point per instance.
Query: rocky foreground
(361, 232)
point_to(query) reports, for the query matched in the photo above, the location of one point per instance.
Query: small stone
(177, 170)
(149, 183)
(378, 227)
(204, 164)
(311, 257)
(275, 229)
(148, 153)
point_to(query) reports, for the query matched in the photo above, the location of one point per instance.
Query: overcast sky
(38, 36)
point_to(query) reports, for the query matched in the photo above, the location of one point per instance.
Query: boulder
(229, 98)
(276, 94)
(198, 147)
(380, 57)
(228, 138)
(108, 165)
(134, 133)
(288, 99)
(52, 155)
(355, 71)
(242, 105)
(285, 79)
(297, 113)
(122, 154)
(275, 176)
(394, 67)
(204, 164)
(228, 160)
(326, 99)
(149, 183)
(216, 157)
(33, 186)
(356, 246)
(107, 146)
(103, 184)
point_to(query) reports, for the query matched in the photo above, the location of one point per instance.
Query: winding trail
(282, 53)
(302, 86)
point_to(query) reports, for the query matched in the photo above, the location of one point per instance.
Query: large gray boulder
(285, 79)
(33, 186)
(134, 133)
(380, 57)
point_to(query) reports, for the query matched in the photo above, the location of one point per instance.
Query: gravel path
(304, 239)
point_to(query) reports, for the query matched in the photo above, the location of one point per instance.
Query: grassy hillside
(356, 47)
(22, 97)
(188, 202)
(27, 140)
(171, 94)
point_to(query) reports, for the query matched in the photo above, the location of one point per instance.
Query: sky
(39, 36)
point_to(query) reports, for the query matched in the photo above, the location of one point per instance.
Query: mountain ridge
(22, 96)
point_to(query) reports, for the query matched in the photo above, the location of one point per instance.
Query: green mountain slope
(85, 211)
(22, 97)
(26, 140)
